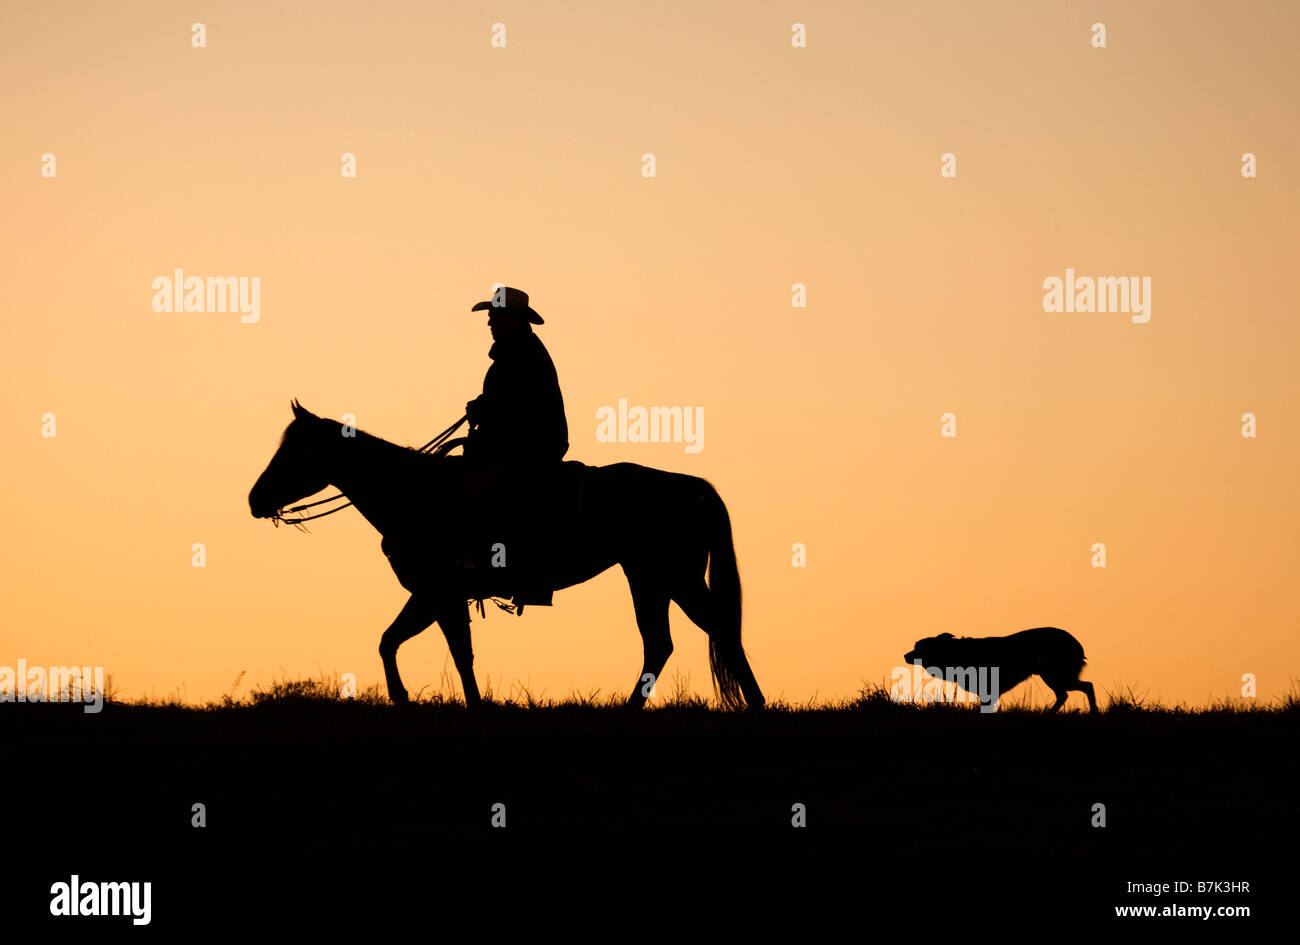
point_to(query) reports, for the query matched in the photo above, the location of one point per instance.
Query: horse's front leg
(455, 627)
(414, 618)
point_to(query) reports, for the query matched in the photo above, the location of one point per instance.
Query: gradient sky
(775, 165)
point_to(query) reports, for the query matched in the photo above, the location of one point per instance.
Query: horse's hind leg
(696, 602)
(651, 604)
(414, 618)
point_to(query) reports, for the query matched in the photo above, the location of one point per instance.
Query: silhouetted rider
(517, 425)
(519, 417)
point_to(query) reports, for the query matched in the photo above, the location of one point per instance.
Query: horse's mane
(361, 437)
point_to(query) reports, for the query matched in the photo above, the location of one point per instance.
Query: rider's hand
(469, 410)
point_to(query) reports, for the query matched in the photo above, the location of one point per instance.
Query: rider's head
(509, 314)
(504, 323)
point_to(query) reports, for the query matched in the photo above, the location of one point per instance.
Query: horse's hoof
(399, 698)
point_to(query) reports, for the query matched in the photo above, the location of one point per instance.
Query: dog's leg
(1060, 689)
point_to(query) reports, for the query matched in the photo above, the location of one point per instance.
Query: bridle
(438, 446)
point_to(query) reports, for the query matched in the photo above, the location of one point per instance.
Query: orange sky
(775, 165)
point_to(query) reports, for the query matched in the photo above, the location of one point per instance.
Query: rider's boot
(532, 585)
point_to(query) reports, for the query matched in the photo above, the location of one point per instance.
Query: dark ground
(317, 807)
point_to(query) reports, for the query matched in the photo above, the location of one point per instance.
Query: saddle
(496, 534)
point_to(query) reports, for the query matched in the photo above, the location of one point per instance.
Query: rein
(439, 445)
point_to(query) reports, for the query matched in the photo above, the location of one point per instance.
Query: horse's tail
(725, 599)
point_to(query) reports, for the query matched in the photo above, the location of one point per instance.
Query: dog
(1048, 652)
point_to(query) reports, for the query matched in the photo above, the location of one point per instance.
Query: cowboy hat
(511, 300)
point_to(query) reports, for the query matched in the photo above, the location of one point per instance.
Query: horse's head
(291, 474)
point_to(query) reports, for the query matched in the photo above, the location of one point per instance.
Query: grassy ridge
(294, 772)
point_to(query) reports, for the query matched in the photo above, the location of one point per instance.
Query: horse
(664, 529)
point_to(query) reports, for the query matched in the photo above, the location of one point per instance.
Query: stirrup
(540, 598)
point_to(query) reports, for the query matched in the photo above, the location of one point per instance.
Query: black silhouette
(664, 528)
(518, 436)
(1048, 652)
(519, 417)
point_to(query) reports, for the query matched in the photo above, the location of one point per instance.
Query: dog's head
(932, 651)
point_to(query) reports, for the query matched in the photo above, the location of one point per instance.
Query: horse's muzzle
(259, 509)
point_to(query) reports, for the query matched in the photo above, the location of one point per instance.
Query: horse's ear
(299, 411)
